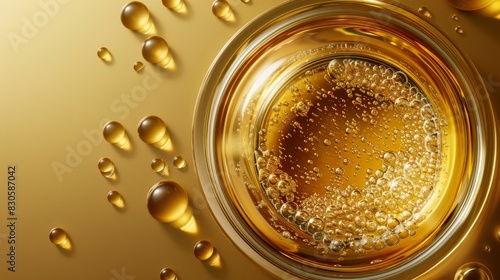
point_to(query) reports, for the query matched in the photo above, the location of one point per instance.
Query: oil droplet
(425, 12)
(116, 199)
(59, 237)
(152, 130)
(107, 168)
(135, 16)
(179, 162)
(459, 30)
(487, 248)
(155, 50)
(175, 5)
(115, 133)
(206, 252)
(473, 271)
(167, 274)
(454, 17)
(104, 54)
(222, 10)
(138, 66)
(159, 166)
(167, 202)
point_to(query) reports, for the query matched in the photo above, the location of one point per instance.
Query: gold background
(56, 95)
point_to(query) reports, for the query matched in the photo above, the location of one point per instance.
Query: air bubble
(389, 158)
(59, 237)
(337, 246)
(336, 68)
(104, 54)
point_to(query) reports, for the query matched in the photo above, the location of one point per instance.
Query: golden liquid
(138, 66)
(158, 165)
(222, 10)
(175, 5)
(459, 30)
(59, 237)
(167, 201)
(115, 133)
(179, 162)
(167, 274)
(106, 167)
(135, 16)
(350, 153)
(425, 12)
(104, 54)
(203, 250)
(116, 199)
(155, 50)
(152, 130)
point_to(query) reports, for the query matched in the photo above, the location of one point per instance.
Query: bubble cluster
(351, 154)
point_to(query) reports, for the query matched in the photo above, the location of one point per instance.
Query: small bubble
(106, 167)
(222, 10)
(425, 12)
(167, 274)
(179, 162)
(454, 17)
(337, 246)
(104, 54)
(336, 68)
(135, 16)
(286, 234)
(487, 248)
(459, 30)
(116, 199)
(138, 66)
(389, 158)
(327, 142)
(58, 236)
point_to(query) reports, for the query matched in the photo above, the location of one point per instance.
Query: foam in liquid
(350, 154)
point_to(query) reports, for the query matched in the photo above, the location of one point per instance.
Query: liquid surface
(350, 153)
